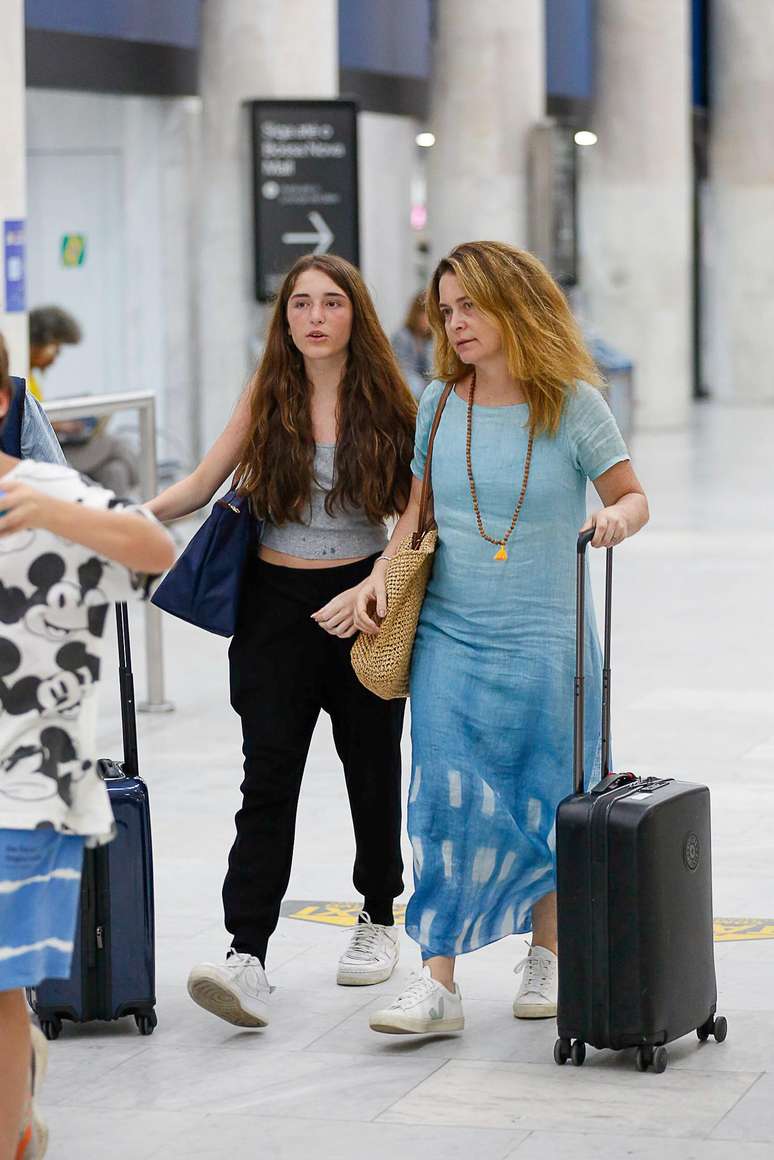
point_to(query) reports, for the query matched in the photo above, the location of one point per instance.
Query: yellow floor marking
(345, 914)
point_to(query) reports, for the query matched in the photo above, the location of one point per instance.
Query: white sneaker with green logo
(425, 1007)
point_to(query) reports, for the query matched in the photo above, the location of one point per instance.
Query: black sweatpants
(284, 670)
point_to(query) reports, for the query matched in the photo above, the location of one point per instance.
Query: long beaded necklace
(502, 553)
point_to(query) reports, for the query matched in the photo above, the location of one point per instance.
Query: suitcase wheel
(146, 1021)
(655, 1057)
(578, 1053)
(51, 1028)
(716, 1025)
(562, 1051)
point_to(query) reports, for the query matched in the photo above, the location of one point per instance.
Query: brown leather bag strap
(427, 486)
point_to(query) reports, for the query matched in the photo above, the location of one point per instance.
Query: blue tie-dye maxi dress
(493, 667)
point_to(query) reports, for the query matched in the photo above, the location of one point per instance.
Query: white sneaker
(425, 1006)
(237, 990)
(372, 954)
(537, 995)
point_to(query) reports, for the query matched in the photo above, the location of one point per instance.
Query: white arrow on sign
(321, 239)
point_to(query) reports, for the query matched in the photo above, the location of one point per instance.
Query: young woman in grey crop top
(321, 442)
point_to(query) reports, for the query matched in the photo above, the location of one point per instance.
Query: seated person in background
(51, 328)
(88, 446)
(413, 346)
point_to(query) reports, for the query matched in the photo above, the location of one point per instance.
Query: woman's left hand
(611, 526)
(338, 615)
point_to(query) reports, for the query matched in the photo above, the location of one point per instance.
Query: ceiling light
(426, 140)
(585, 137)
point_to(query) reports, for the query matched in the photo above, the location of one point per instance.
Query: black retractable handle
(584, 539)
(126, 687)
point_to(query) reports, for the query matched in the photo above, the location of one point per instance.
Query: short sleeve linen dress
(493, 667)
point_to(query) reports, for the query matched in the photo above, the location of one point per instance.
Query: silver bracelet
(387, 558)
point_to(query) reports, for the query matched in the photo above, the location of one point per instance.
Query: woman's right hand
(371, 602)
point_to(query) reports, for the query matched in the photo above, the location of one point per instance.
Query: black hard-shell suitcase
(114, 956)
(634, 897)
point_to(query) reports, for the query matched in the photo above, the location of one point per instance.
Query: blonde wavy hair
(542, 342)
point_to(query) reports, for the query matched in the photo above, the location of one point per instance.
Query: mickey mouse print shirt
(54, 600)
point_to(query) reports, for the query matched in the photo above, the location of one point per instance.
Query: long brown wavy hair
(376, 415)
(542, 342)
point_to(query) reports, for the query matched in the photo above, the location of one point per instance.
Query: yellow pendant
(501, 553)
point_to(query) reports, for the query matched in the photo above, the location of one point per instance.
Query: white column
(740, 242)
(636, 244)
(250, 49)
(387, 161)
(13, 325)
(488, 89)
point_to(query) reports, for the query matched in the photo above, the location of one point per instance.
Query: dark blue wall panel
(385, 36)
(174, 22)
(699, 39)
(570, 49)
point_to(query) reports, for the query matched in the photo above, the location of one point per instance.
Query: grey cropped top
(347, 534)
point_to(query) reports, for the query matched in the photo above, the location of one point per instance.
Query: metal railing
(103, 406)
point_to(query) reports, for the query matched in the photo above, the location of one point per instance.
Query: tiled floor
(693, 696)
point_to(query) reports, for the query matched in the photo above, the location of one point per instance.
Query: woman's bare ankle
(442, 970)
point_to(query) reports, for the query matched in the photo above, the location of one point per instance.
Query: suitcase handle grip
(126, 687)
(584, 539)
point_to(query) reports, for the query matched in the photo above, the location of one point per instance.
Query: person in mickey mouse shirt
(68, 549)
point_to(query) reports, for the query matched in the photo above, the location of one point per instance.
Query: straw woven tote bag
(382, 662)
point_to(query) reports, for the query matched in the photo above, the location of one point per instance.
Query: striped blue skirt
(40, 878)
(491, 734)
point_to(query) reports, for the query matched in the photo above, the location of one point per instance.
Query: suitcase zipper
(102, 987)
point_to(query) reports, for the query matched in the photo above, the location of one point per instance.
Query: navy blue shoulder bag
(203, 586)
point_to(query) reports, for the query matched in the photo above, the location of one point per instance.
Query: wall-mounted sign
(304, 185)
(73, 249)
(13, 266)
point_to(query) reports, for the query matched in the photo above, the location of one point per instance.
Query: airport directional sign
(305, 185)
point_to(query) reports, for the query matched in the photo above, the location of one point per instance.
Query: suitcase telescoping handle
(126, 687)
(584, 539)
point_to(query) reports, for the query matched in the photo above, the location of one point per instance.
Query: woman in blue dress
(522, 430)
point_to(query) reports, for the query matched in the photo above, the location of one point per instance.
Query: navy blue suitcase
(113, 971)
(634, 898)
